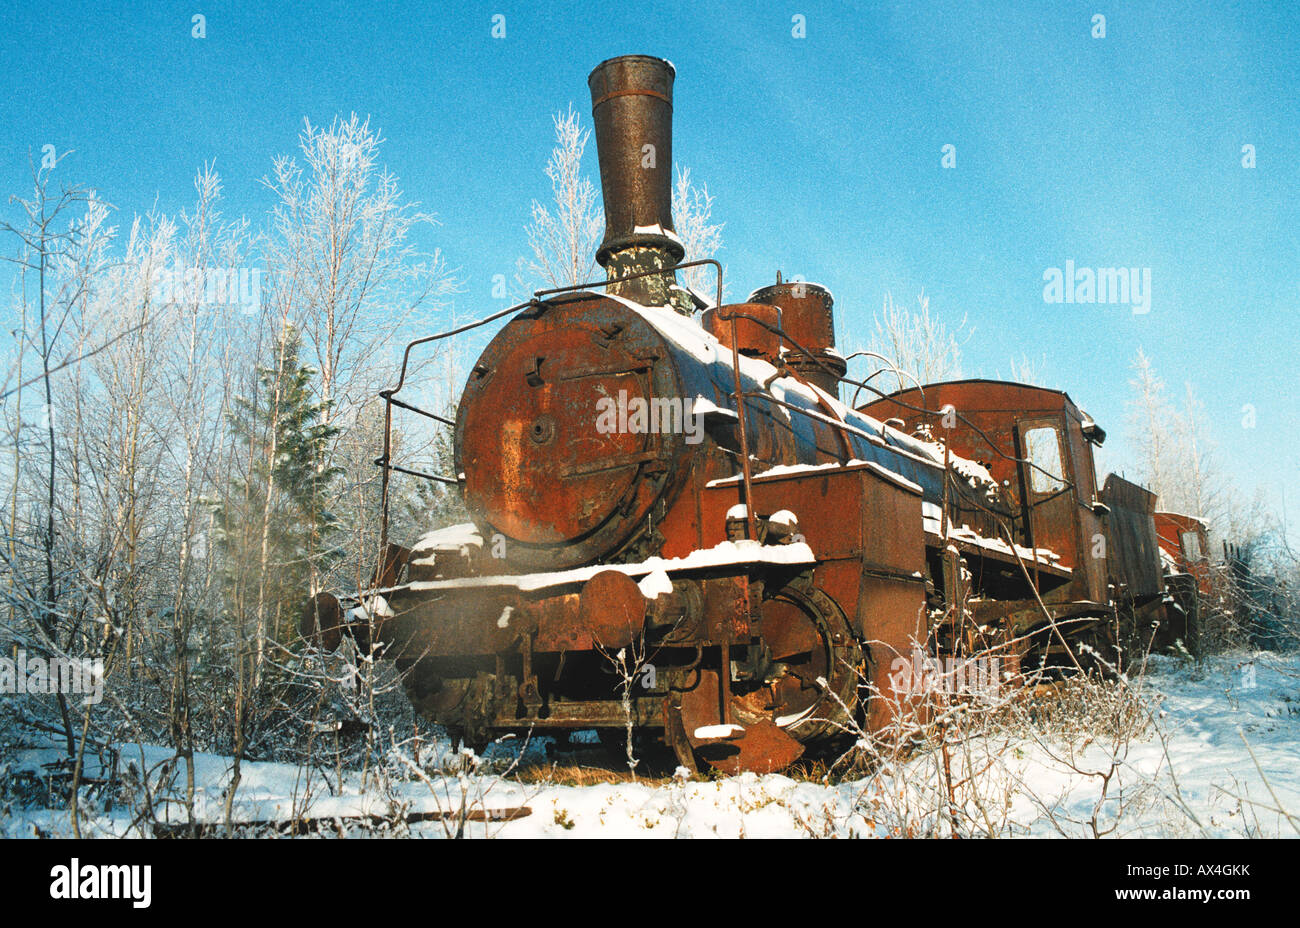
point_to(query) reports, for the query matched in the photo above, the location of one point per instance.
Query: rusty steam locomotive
(679, 524)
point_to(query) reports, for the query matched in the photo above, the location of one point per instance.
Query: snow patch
(454, 538)
(709, 732)
(657, 229)
(655, 584)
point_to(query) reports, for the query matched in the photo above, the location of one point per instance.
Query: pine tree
(274, 526)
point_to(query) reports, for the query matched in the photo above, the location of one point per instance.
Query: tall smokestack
(632, 106)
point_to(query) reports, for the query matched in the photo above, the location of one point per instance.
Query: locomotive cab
(1032, 441)
(1037, 444)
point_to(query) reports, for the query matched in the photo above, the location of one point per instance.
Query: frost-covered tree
(563, 236)
(917, 343)
(1034, 372)
(1177, 458)
(59, 253)
(701, 237)
(343, 262)
(1153, 426)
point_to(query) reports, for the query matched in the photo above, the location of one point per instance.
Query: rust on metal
(321, 621)
(674, 531)
(754, 340)
(611, 609)
(632, 107)
(807, 315)
(760, 748)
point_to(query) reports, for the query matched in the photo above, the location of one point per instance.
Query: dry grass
(585, 767)
(571, 774)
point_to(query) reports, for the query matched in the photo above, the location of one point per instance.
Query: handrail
(893, 368)
(777, 330)
(389, 395)
(380, 462)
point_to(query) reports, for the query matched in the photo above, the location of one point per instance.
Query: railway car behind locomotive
(678, 525)
(1189, 579)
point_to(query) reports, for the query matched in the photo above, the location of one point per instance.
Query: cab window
(1043, 450)
(1192, 546)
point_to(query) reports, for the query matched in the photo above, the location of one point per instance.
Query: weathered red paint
(1185, 540)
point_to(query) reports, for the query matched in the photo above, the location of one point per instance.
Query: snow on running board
(786, 470)
(932, 522)
(726, 554)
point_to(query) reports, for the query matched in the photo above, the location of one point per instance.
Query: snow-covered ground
(1191, 774)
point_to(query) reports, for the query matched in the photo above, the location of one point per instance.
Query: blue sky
(823, 155)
